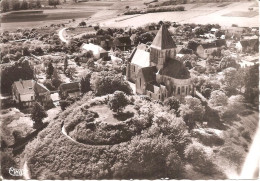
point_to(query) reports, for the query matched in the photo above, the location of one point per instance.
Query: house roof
(25, 86)
(94, 48)
(122, 41)
(175, 69)
(72, 86)
(148, 73)
(208, 45)
(163, 39)
(29, 87)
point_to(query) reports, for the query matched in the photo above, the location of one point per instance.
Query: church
(155, 71)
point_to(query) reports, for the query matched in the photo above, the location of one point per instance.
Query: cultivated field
(196, 13)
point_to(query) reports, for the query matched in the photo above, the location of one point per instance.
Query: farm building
(155, 71)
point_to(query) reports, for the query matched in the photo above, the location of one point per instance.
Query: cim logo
(15, 172)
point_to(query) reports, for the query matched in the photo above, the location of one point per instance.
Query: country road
(61, 36)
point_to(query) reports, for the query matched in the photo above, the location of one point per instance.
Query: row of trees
(8, 5)
(17, 5)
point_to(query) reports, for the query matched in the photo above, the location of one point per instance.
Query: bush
(195, 153)
(247, 136)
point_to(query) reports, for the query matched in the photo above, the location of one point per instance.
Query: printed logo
(15, 172)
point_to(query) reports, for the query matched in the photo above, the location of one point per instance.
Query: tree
(5, 4)
(24, 5)
(218, 34)
(65, 64)
(70, 72)
(218, 98)
(85, 82)
(118, 101)
(38, 4)
(192, 111)
(108, 82)
(199, 31)
(228, 61)
(49, 70)
(173, 103)
(15, 4)
(11, 73)
(233, 80)
(82, 23)
(252, 84)
(192, 45)
(54, 3)
(37, 115)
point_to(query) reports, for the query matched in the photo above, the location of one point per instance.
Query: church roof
(148, 73)
(141, 58)
(163, 39)
(175, 69)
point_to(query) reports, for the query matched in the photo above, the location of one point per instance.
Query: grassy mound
(98, 125)
(155, 153)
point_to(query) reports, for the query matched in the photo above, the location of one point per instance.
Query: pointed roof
(163, 39)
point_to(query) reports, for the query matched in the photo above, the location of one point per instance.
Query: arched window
(159, 97)
(186, 90)
(140, 82)
(182, 89)
(179, 90)
(134, 68)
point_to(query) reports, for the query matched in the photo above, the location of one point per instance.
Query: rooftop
(163, 39)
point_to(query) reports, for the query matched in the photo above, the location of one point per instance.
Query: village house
(97, 50)
(205, 50)
(71, 90)
(156, 72)
(26, 92)
(247, 45)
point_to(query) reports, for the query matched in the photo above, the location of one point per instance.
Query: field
(195, 13)
(107, 14)
(242, 14)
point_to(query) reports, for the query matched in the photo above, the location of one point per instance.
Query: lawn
(108, 116)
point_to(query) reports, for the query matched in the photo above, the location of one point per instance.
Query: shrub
(195, 153)
(246, 135)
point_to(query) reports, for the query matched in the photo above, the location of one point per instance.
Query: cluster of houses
(153, 68)
(26, 92)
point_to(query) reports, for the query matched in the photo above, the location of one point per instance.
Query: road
(61, 35)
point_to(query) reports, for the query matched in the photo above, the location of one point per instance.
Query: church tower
(162, 48)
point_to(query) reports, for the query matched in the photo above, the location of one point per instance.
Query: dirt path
(26, 172)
